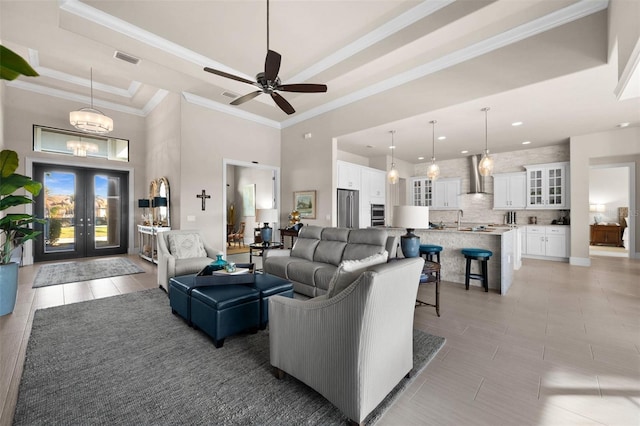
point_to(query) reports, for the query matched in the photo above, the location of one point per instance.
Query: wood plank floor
(563, 347)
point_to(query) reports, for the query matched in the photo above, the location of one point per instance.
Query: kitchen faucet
(460, 214)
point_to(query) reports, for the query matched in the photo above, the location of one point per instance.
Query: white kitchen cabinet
(446, 193)
(349, 175)
(377, 181)
(547, 186)
(421, 191)
(509, 191)
(547, 241)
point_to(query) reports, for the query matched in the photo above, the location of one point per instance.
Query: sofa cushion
(322, 277)
(191, 265)
(184, 246)
(306, 243)
(331, 247)
(364, 243)
(277, 265)
(349, 270)
(303, 272)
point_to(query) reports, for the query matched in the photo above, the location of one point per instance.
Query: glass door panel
(85, 212)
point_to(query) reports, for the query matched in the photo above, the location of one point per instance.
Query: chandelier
(80, 148)
(91, 120)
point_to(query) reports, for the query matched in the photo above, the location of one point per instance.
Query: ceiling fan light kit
(268, 81)
(90, 120)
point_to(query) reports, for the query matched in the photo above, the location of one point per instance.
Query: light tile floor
(562, 347)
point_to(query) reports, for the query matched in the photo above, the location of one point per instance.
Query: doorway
(85, 212)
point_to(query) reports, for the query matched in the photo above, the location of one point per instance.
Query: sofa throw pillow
(349, 270)
(184, 246)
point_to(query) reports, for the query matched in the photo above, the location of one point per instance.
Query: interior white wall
(163, 150)
(23, 109)
(207, 138)
(604, 146)
(608, 186)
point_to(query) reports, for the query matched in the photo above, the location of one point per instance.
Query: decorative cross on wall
(204, 197)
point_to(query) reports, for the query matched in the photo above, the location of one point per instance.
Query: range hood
(476, 181)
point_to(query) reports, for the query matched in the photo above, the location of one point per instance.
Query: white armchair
(182, 253)
(354, 347)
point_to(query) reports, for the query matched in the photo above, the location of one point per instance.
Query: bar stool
(430, 250)
(481, 255)
(431, 274)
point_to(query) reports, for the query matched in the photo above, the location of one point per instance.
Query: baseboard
(580, 261)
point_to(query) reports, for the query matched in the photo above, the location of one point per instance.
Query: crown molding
(391, 27)
(62, 94)
(226, 109)
(537, 26)
(34, 60)
(96, 16)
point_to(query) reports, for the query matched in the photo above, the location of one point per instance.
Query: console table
(284, 232)
(147, 241)
(606, 235)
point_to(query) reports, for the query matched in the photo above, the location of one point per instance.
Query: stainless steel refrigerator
(348, 208)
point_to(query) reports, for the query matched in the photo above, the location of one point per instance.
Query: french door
(85, 212)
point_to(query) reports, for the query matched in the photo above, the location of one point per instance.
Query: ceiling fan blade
(303, 88)
(227, 75)
(245, 98)
(282, 103)
(272, 65)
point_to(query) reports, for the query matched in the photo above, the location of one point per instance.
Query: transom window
(67, 142)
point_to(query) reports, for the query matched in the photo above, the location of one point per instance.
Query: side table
(431, 274)
(256, 249)
(284, 232)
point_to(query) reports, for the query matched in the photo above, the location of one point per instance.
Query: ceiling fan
(268, 81)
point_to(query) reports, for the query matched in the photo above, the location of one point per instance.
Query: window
(48, 139)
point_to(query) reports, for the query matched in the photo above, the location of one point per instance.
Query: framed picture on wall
(305, 203)
(249, 200)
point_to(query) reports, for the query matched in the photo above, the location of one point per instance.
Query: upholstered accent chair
(182, 253)
(237, 237)
(352, 346)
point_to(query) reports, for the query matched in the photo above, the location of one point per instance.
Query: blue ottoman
(269, 285)
(224, 310)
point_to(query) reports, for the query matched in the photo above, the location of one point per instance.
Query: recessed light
(420, 158)
(392, 147)
(441, 138)
(526, 142)
(516, 123)
(464, 152)
(625, 124)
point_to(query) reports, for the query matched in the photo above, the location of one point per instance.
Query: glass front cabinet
(548, 186)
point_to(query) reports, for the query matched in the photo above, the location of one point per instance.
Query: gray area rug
(128, 360)
(71, 272)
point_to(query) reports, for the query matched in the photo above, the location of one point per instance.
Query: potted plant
(15, 228)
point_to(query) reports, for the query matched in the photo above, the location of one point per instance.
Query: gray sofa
(318, 251)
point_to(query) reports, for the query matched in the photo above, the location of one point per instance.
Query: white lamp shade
(411, 217)
(597, 208)
(266, 215)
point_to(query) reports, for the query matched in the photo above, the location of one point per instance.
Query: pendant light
(393, 174)
(434, 170)
(485, 167)
(91, 120)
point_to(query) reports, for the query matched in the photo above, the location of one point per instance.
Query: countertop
(469, 229)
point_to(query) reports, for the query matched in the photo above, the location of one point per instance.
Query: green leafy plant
(15, 228)
(12, 65)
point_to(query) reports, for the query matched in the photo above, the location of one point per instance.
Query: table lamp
(411, 218)
(267, 216)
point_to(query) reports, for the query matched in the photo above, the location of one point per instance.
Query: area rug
(70, 272)
(127, 360)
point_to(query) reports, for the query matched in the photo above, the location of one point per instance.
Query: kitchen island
(503, 241)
